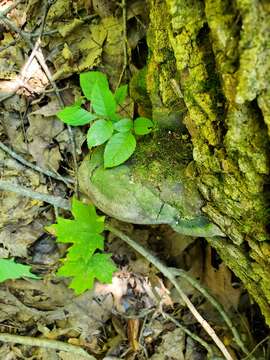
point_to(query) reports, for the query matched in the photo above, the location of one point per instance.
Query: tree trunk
(209, 61)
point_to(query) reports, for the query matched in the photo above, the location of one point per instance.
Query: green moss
(138, 92)
(185, 13)
(60, 9)
(162, 155)
(224, 22)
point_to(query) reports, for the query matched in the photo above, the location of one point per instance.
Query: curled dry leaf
(132, 292)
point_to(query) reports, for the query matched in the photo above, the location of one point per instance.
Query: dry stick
(6, 97)
(215, 303)
(40, 59)
(46, 343)
(61, 102)
(51, 32)
(50, 199)
(169, 274)
(33, 166)
(124, 16)
(13, 42)
(31, 311)
(189, 333)
(14, 28)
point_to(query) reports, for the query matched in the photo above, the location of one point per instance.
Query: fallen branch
(216, 304)
(125, 42)
(189, 333)
(56, 201)
(46, 343)
(37, 168)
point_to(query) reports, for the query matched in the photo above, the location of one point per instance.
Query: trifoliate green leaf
(118, 149)
(99, 133)
(75, 115)
(11, 270)
(143, 126)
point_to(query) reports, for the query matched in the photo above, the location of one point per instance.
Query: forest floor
(43, 49)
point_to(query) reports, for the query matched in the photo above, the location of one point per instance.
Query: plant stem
(37, 168)
(51, 344)
(215, 303)
(53, 200)
(189, 333)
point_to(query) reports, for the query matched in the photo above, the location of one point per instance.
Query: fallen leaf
(219, 281)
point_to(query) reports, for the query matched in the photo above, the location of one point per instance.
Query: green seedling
(85, 259)
(106, 125)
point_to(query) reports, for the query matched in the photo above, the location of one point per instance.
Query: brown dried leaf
(45, 157)
(220, 283)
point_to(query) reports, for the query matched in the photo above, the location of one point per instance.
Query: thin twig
(46, 343)
(42, 62)
(215, 303)
(45, 68)
(10, 298)
(124, 17)
(13, 42)
(169, 274)
(37, 168)
(250, 356)
(50, 199)
(189, 333)
(6, 97)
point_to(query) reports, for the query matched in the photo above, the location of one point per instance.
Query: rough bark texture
(217, 52)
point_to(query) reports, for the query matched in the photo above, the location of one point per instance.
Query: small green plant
(107, 126)
(9, 269)
(82, 262)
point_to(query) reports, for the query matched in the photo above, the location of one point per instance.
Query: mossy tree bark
(216, 52)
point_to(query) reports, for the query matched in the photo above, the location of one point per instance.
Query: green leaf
(99, 132)
(123, 125)
(120, 94)
(103, 101)
(83, 230)
(11, 270)
(118, 149)
(99, 267)
(75, 115)
(115, 117)
(84, 233)
(89, 79)
(143, 126)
